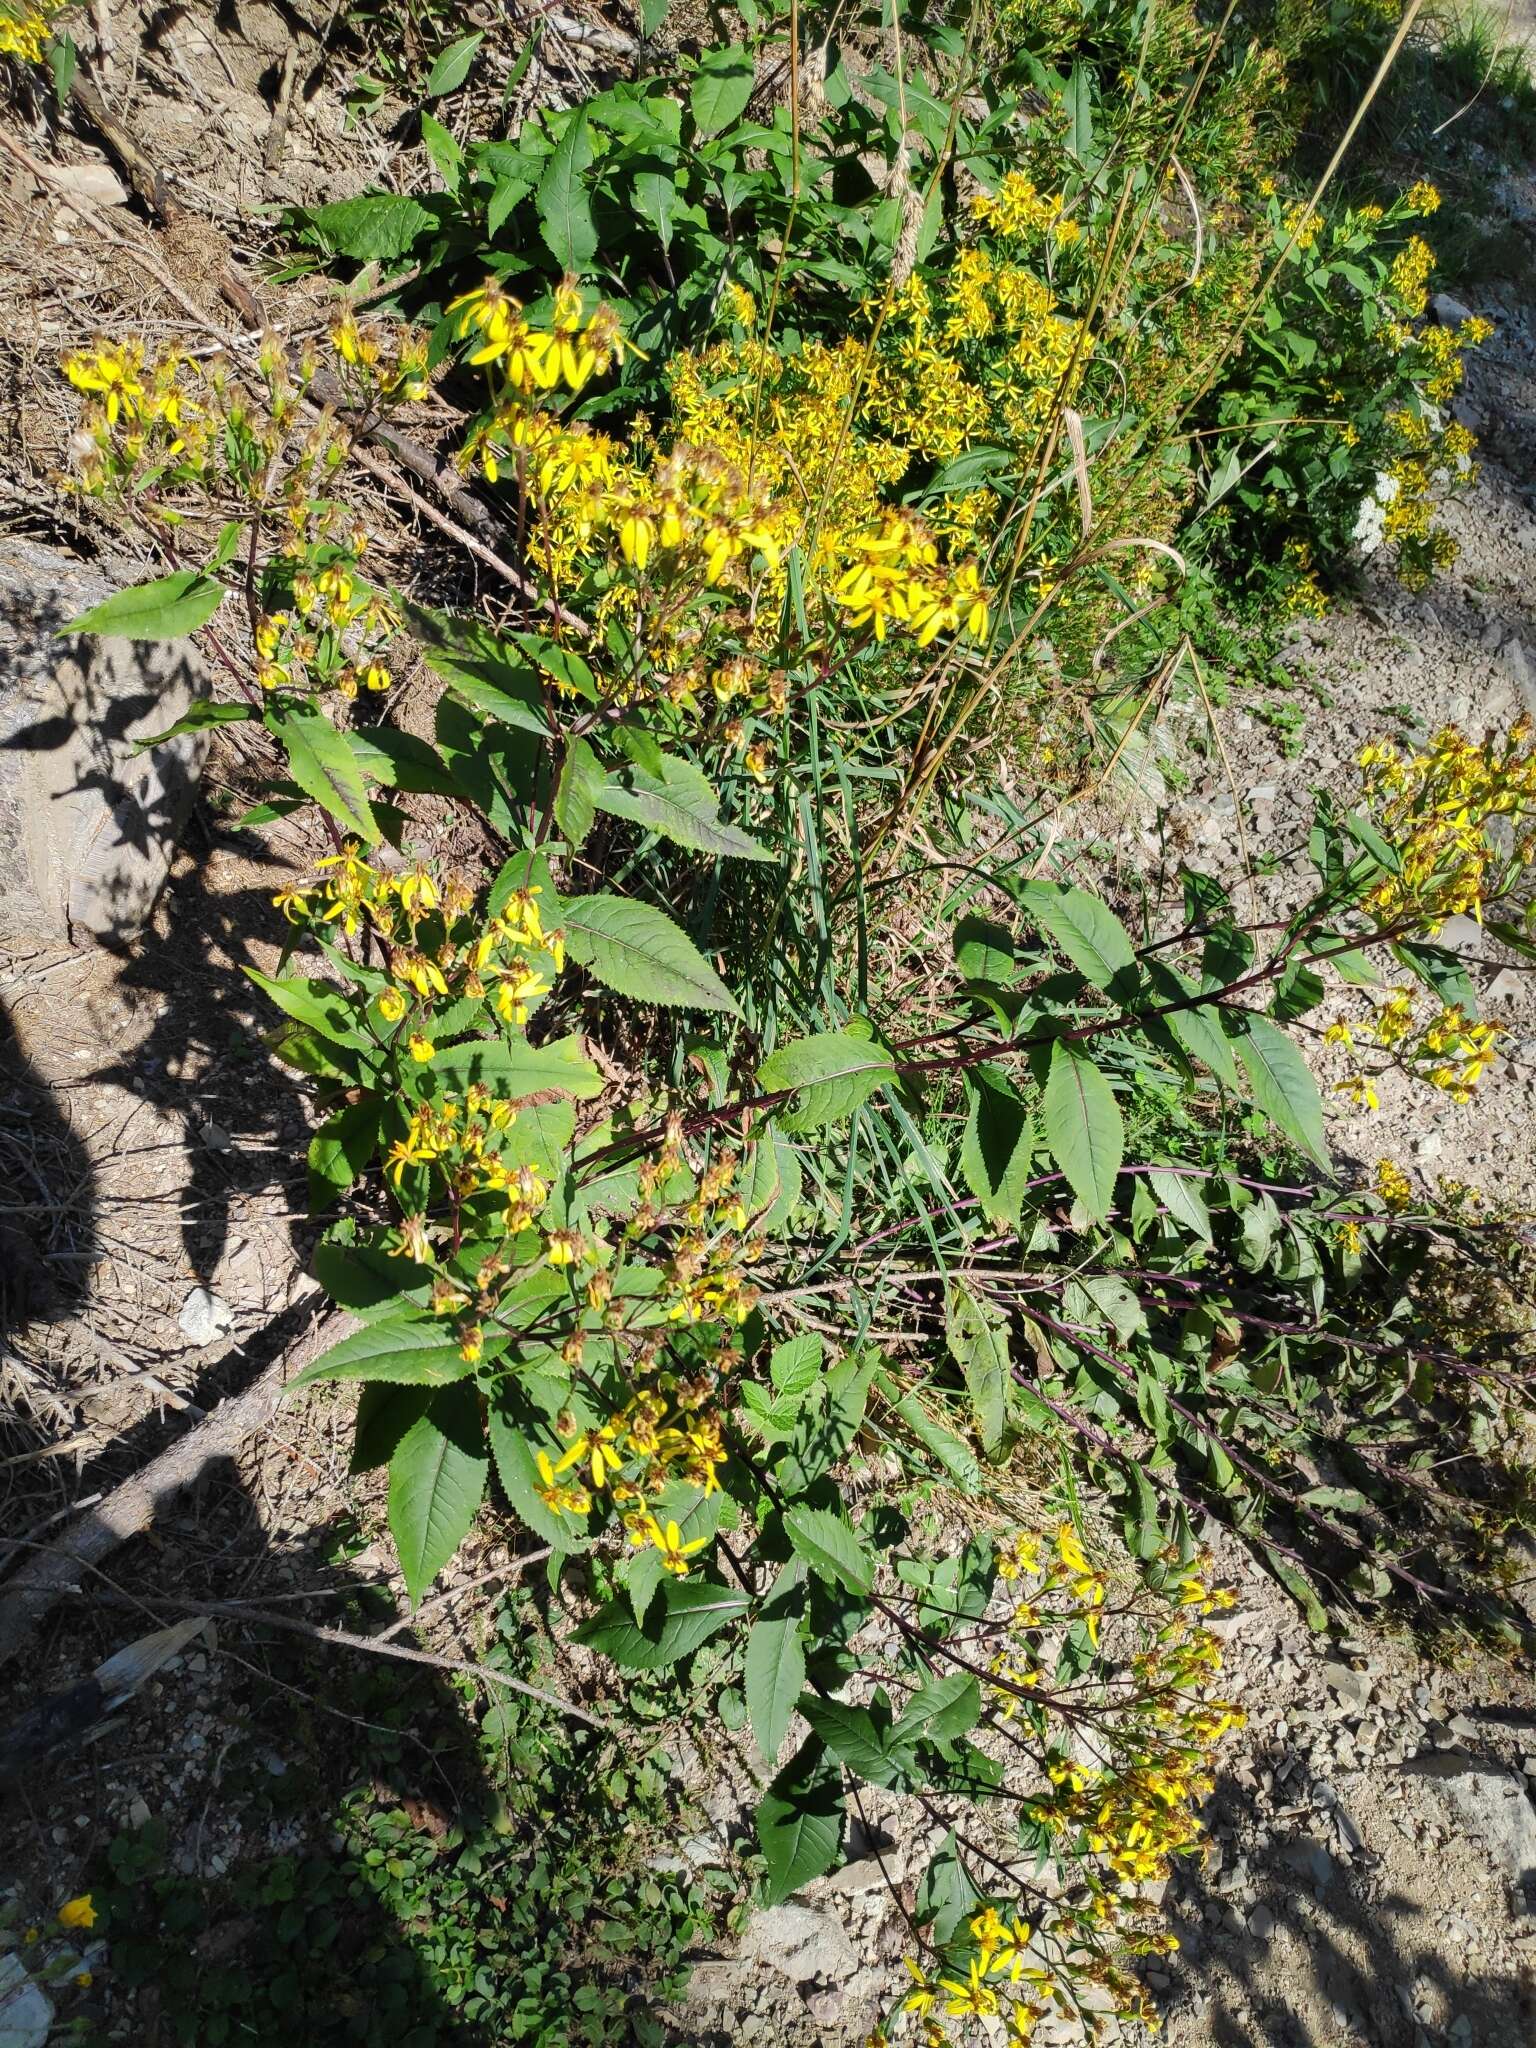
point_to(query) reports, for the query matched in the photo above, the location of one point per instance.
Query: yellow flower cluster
(1120, 1811)
(1422, 198)
(175, 420)
(438, 955)
(26, 26)
(1410, 274)
(336, 633)
(1302, 596)
(1016, 211)
(1393, 1186)
(1435, 807)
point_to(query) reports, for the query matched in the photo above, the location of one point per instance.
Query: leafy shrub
(748, 1316)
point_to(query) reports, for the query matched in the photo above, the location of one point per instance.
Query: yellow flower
(78, 1912)
(391, 1005)
(923, 1997)
(972, 1999)
(421, 1048)
(675, 1553)
(1393, 1186)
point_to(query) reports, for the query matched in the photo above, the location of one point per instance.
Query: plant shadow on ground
(292, 1841)
(1362, 1958)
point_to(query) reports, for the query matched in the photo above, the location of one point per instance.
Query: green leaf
(384, 1414)
(325, 768)
(372, 229)
(444, 150)
(688, 1613)
(401, 760)
(416, 1354)
(836, 1072)
(517, 1069)
(996, 1152)
(1198, 1029)
(830, 1547)
(721, 88)
(452, 65)
(854, 1738)
(800, 1821)
(565, 213)
(774, 1677)
(436, 1484)
(654, 194)
(581, 779)
(1282, 1083)
(163, 610)
(943, 1708)
(1086, 930)
(652, 14)
(638, 951)
(1183, 1201)
(197, 718)
(946, 1895)
(340, 1150)
(978, 1342)
(956, 1457)
(984, 951)
(682, 805)
(1083, 1128)
(319, 1005)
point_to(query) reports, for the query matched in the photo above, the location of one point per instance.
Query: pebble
(1261, 1922)
(204, 1318)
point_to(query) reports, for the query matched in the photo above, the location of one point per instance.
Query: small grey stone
(1448, 311)
(823, 2002)
(1352, 1687)
(1463, 1726)
(204, 1318)
(1261, 1922)
(1322, 1865)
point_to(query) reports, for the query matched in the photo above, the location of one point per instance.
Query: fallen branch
(48, 1576)
(378, 1646)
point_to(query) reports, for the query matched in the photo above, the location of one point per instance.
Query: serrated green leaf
(638, 951)
(1199, 1028)
(682, 805)
(855, 1739)
(830, 1547)
(835, 1071)
(996, 1151)
(416, 1354)
(197, 718)
(1083, 1128)
(318, 1005)
(978, 1342)
(436, 1484)
(565, 212)
(324, 767)
(166, 609)
(340, 1150)
(800, 1821)
(774, 1675)
(654, 194)
(581, 780)
(517, 1069)
(1086, 930)
(372, 229)
(451, 68)
(943, 1708)
(721, 88)
(1183, 1201)
(688, 1613)
(1282, 1083)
